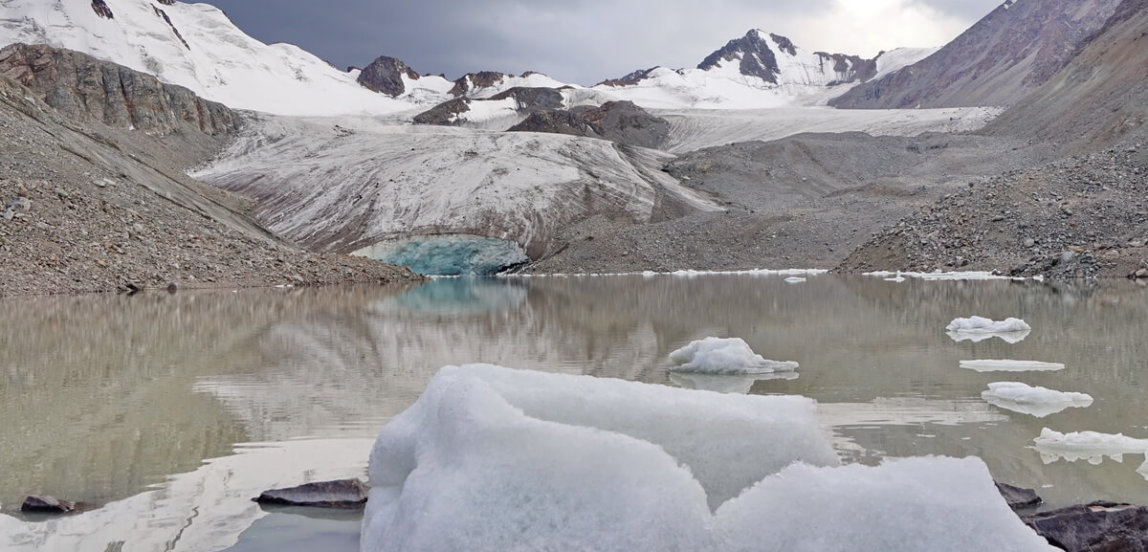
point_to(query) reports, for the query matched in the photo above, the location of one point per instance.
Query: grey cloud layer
(581, 41)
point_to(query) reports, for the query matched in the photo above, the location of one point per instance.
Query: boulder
(1097, 526)
(1018, 498)
(343, 493)
(47, 505)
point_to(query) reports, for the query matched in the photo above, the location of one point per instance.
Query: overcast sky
(586, 41)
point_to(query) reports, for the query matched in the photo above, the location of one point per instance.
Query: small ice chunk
(906, 505)
(1086, 445)
(1035, 401)
(715, 355)
(794, 280)
(1011, 366)
(978, 324)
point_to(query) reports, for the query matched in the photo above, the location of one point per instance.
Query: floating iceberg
(1086, 445)
(1011, 366)
(492, 459)
(725, 383)
(795, 280)
(715, 355)
(981, 325)
(1035, 401)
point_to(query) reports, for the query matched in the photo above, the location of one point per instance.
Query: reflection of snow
(201, 511)
(1010, 366)
(726, 383)
(1086, 445)
(840, 418)
(1010, 337)
(1035, 401)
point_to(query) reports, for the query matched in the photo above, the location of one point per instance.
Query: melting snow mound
(493, 459)
(715, 355)
(1037, 401)
(1087, 445)
(977, 324)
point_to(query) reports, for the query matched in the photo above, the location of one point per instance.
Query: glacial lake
(166, 414)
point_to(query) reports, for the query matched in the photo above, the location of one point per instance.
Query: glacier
(494, 459)
(453, 255)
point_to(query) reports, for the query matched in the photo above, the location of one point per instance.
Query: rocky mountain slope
(1000, 59)
(89, 207)
(1086, 215)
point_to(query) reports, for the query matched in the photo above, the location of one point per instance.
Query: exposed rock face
(344, 493)
(88, 89)
(101, 8)
(384, 75)
(1099, 99)
(469, 82)
(629, 79)
(757, 59)
(445, 113)
(528, 100)
(1006, 55)
(621, 122)
(1096, 526)
(849, 68)
(163, 15)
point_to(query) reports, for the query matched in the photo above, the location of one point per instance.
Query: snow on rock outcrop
(195, 46)
(715, 355)
(981, 325)
(758, 70)
(493, 459)
(342, 185)
(1035, 401)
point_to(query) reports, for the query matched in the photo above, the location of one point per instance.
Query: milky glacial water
(167, 413)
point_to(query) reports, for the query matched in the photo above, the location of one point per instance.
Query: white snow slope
(804, 80)
(219, 62)
(331, 188)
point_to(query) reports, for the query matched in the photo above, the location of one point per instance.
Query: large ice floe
(717, 355)
(493, 459)
(1035, 401)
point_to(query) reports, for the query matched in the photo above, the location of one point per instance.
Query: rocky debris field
(98, 209)
(1084, 216)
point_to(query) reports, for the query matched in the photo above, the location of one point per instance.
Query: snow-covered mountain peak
(196, 46)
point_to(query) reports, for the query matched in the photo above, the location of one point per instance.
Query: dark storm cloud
(581, 41)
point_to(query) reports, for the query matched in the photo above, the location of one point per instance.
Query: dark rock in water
(1140, 273)
(47, 504)
(344, 493)
(621, 122)
(1097, 526)
(385, 75)
(1018, 498)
